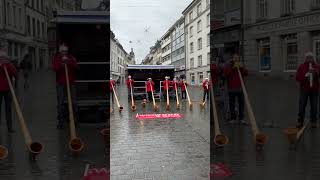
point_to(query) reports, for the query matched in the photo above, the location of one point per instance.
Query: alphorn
(133, 107)
(167, 91)
(155, 106)
(219, 139)
(204, 102)
(177, 98)
(3, 152)
(34, 148)
(311, 75)
(259, 138)
(115, 95)
(76, 145)
(190, 104)
(294, 134)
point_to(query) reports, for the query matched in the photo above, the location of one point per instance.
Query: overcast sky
(131, 18)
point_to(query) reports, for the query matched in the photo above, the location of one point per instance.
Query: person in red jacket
(166, 86)
(308, 77)
(206, 85)
(4, 86)
(234, 87)
(149, 88)
(175, 85)
(59, 61)
(130, 85)
(183, 85)
(112, 83)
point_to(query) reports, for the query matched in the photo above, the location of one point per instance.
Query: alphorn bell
(259, 138)
(133, 107)
(155, 106)
(3, 152)
(167, 91)
(294, 134)
(115, 95)
(190, 104)
(34, 148)
(219, 139)
(76, 145)
(177, 98)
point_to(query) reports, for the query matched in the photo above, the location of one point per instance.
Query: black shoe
(11, 131)
(299, 125)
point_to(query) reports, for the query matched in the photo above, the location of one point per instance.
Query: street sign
(158, 116)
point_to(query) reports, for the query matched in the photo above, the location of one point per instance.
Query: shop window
(264, 54)
(290, 52)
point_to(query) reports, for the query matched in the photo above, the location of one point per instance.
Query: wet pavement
(275, 104)
(55, 162)
(160, 149)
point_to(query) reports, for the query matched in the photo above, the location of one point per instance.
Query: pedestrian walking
(130, 85)
(4, 87)
(150, 88)
(166, 86)
(26, 67)
(112, 83)
(183, 85)
(234, 88)
(308, 77)
(61, 59)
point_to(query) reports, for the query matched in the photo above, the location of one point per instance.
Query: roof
(190, 6)
(150, 67)
(88, 17)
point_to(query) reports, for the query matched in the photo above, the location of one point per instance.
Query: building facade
(178, 48)
(278, 34)
(197, 39)
(166, 48)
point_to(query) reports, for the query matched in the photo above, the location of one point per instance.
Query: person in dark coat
(308, 77)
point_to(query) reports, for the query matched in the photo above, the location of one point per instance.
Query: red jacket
(12, 71)
(166, 84)
(183, 88)
(113, 82)
(58, 67)
(150, 86)
(128, 83)
(205, 88)
(304, 81)
(233, 78)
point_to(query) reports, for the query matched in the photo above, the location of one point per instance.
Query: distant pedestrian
(4, 86)
(26, 67)
(183, 85)
(150, 89)
(308, 77)
(59, 61)
(130, 85)
(234, 87)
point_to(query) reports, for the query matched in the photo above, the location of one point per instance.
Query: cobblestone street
(160, 149)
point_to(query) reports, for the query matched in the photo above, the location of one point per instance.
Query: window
(315, 4)
(287, 7)
(199, 26)
(32, 3)
(207, 3)
(20, 18)
(9, 13)
(192, 78)
(42, 5)
(37, 4)
(198, 9)
(208, 58)
(33, 27)
(191, 47)
(191, 63)
(200, 75)
(290, 52)
(42, 32)
(199, 43)
(200, 61)
(190, 16)
(191, 31)
(208, 39)
(208, 19)
(28, 26)
(264, 54)
(262, 9)
(38, 29)
(14, 18)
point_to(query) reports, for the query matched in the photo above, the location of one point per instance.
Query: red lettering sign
(97, 174)
(219, 170)
(158, 116)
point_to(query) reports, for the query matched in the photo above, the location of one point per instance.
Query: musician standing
(59, 61)
(183, 85)
(112, 83)
(234, 87)
(4, 86)
(166, 86)
(175, 84)
(308, 77)
(130, 83)
(149, 88)
(206, 87)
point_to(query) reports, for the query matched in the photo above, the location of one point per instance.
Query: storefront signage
(157, 116)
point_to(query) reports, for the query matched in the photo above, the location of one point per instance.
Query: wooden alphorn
(3, 152)
(34, 147)
(190, 104)
(219, 138)
(259, 138)
(133, 107)
(177, 98)
(76, 145)
(311, 75)
(167, 91)
(155, 106)
(116, 97)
